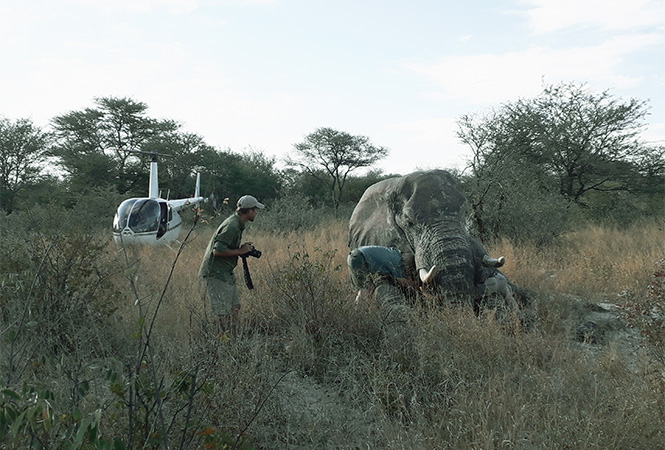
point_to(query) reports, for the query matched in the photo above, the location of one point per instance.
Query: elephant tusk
(426, 276)
(493, 262)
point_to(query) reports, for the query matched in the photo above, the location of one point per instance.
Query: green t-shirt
(228, 236)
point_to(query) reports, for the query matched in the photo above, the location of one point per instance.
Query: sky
(260, 75)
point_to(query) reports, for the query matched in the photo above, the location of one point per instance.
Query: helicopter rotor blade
(143, 152)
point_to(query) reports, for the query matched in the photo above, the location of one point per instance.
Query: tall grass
(310, 368)
(470, 384)
(595, 262)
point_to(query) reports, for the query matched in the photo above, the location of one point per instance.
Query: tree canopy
(226, 174)
(330, 156)
(96, 146)
(23, 153)
(569, 145)
(537, 165)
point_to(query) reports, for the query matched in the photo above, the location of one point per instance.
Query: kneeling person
(373, 263)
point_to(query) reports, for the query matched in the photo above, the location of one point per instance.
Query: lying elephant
(423, 214)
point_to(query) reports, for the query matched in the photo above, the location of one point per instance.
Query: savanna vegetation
(113, 348)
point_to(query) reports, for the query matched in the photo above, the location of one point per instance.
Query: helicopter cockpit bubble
(141, 215)
(121, 216)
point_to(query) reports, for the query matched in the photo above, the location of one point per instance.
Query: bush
(522, 210)
(54, 281)
(310, 301)
(292, 213)
(58, 329)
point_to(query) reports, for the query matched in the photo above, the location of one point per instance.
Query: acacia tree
(23, 152)
(95, 145)
(330, 156)
(585, 138)
(568, 142)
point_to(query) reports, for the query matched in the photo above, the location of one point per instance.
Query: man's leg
(223, 324)
(234, 317)
(224, 304)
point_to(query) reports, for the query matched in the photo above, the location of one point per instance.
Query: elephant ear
(372, 221)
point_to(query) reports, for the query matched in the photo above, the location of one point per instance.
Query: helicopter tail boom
(195, 200)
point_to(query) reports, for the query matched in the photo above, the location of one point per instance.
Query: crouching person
(372, 267)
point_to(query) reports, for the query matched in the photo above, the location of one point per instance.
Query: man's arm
(244, 248)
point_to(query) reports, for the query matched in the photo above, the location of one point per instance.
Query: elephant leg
(392, 303)
(396, 313)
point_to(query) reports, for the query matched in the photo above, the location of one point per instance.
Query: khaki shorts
(223, 296)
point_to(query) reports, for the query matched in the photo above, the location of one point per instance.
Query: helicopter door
(163, 219)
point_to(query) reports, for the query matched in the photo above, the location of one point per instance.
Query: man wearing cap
(221, 257)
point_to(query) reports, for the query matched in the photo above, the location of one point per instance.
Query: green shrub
(292, 213)
(521, 209)
(309, 298)
(54, 282)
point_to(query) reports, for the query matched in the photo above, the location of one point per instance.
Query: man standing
(219, 260)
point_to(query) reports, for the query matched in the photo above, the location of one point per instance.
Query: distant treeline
(536, 167)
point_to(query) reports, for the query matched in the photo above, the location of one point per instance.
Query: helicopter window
(121, 217)
(144, 216)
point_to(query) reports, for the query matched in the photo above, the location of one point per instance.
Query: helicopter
(151, 220)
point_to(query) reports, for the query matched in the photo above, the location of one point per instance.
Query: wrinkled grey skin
(424, 213)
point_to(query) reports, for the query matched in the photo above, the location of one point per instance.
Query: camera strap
(248, 277)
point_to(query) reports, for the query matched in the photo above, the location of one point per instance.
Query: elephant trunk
(444, 257)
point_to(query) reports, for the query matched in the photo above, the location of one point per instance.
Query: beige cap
(248, 201)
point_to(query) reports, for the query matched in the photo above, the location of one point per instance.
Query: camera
(254, 253)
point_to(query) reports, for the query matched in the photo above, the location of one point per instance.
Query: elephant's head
(424, 213)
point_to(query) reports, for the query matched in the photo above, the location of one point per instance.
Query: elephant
(424, 214)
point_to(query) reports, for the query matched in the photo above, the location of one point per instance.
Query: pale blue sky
(262, 74)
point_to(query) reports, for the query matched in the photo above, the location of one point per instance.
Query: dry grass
(455, 381)
(593, 262)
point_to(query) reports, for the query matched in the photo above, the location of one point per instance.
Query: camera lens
(255, 253)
